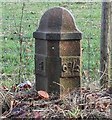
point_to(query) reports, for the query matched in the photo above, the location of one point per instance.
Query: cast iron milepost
(57, 52)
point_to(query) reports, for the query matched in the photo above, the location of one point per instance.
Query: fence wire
(20, 20)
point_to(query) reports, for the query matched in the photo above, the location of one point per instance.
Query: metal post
(57, 52)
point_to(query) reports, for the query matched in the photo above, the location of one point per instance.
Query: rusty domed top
(57, 24)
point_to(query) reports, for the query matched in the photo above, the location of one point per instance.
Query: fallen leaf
(43, 94)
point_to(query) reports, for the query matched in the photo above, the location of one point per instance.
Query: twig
(63, 88)
(21, 41)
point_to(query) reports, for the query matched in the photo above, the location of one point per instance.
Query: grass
(88, 20)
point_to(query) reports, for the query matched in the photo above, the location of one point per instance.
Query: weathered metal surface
(69, 84)
(70, 66)
(57, 52)
(69, 48)
(40, 64)
(57, 24)
(70, 52)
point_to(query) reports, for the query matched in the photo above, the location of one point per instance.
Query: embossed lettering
(70, 67)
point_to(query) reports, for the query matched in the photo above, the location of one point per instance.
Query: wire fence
(20, 20)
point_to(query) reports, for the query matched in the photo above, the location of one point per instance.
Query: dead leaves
(103, 104)
(26, 102)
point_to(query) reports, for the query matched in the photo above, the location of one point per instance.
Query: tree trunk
(106, 45)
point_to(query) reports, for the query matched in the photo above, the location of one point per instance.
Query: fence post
(106, 45)
(104, 48)
(110, 32)
(57, 52)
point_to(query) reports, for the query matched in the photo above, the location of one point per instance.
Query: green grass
(88, 20)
